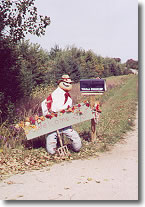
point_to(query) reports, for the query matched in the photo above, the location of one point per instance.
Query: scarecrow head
(65, 83)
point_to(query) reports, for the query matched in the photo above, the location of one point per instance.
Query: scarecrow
(60, 100)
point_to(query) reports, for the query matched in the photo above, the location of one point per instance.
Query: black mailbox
(93, 85)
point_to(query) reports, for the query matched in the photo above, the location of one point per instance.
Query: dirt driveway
(111, 176)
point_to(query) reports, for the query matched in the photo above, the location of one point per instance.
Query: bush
(10, 136)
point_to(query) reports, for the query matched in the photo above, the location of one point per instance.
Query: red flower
(36, 117)
(79, 105)
(55, 114)
(87, 104)
(32, 120)
(48, 116)
(63, 111)
(73, 108)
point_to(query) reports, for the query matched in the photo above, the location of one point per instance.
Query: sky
(107, 27)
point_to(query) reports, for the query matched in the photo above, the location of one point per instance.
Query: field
(118, 105)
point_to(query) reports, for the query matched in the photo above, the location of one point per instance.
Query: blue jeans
(51, 139)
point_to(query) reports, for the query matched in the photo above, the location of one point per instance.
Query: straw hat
(65, 78)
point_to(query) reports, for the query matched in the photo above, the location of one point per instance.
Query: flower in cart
(74, 107)
(48, 116)
(39, 121)
(27, 123)
(32, 120)
(21, 124)
(53, 115)
(42, 118)
(87, 104)
(62, 111)
(98, 108)
(34, 126)
(36, 117)
(70, 110)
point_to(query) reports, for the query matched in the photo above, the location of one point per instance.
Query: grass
(118, 110)
(118, 107)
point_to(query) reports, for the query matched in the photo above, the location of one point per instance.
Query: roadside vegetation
(118, 106)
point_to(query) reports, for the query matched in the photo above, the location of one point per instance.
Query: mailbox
(93, 86)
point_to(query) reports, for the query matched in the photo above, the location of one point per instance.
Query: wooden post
(92, 88)
(93, 124)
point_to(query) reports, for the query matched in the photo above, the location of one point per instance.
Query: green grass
(118, 111)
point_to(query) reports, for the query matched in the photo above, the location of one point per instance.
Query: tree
(54, 52)
(89, 65)
(117, 60)
(17, 18)
(9, 77)
(132, 64)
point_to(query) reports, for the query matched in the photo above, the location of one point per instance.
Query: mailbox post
(92, 88)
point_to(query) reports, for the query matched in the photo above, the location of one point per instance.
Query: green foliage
(26, 66)
(66, 63)
(80, 64)
(112, 67)
(17, 18)
(22, 66)
(9, 74)
(132, 64)
(33, 64)
(89, 65)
